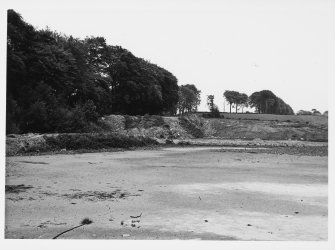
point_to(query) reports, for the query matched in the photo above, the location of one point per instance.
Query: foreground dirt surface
(206, 193)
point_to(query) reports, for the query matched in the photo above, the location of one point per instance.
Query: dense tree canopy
(267, 102)
(189, 98)
(231, 97)
(236, 98)
(61, 83)
(243, 101)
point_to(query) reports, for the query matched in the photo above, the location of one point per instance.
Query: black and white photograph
(167, 121)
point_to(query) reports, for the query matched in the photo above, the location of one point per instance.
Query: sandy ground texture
(172, 193)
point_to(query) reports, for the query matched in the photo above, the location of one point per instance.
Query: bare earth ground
(173, 193)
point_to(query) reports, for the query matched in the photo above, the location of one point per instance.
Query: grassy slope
(311, 119)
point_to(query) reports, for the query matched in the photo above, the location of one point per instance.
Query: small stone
(206, 220)
(125, 235)
(249, 225)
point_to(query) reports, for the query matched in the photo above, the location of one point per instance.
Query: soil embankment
(118, 131)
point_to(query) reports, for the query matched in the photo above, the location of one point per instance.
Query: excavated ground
(210, 193)
(245, 177)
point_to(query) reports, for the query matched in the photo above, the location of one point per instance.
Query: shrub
(89, 111)
(96, 141)
(215, 112)
(304, 112)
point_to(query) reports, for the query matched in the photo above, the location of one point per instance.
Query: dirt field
(171, 193)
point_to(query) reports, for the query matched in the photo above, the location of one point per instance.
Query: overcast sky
(217, 45)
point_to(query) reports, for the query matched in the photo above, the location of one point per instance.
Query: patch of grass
(311, 119)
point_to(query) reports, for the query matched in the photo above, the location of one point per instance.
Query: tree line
(263, 101)
(58, 83)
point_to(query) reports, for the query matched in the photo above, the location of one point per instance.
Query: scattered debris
(85, 221)
(135, 216)
(132, 222)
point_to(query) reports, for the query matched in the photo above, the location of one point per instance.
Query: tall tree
(231, 97)
(189, 98)
(235, 98)
(213, 108)
(243, 100)
(210, 102)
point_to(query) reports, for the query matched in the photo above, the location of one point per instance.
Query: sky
(239, 45)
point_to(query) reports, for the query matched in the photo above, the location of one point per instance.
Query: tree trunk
(266, 107)
(236, 108)
(230, 108)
